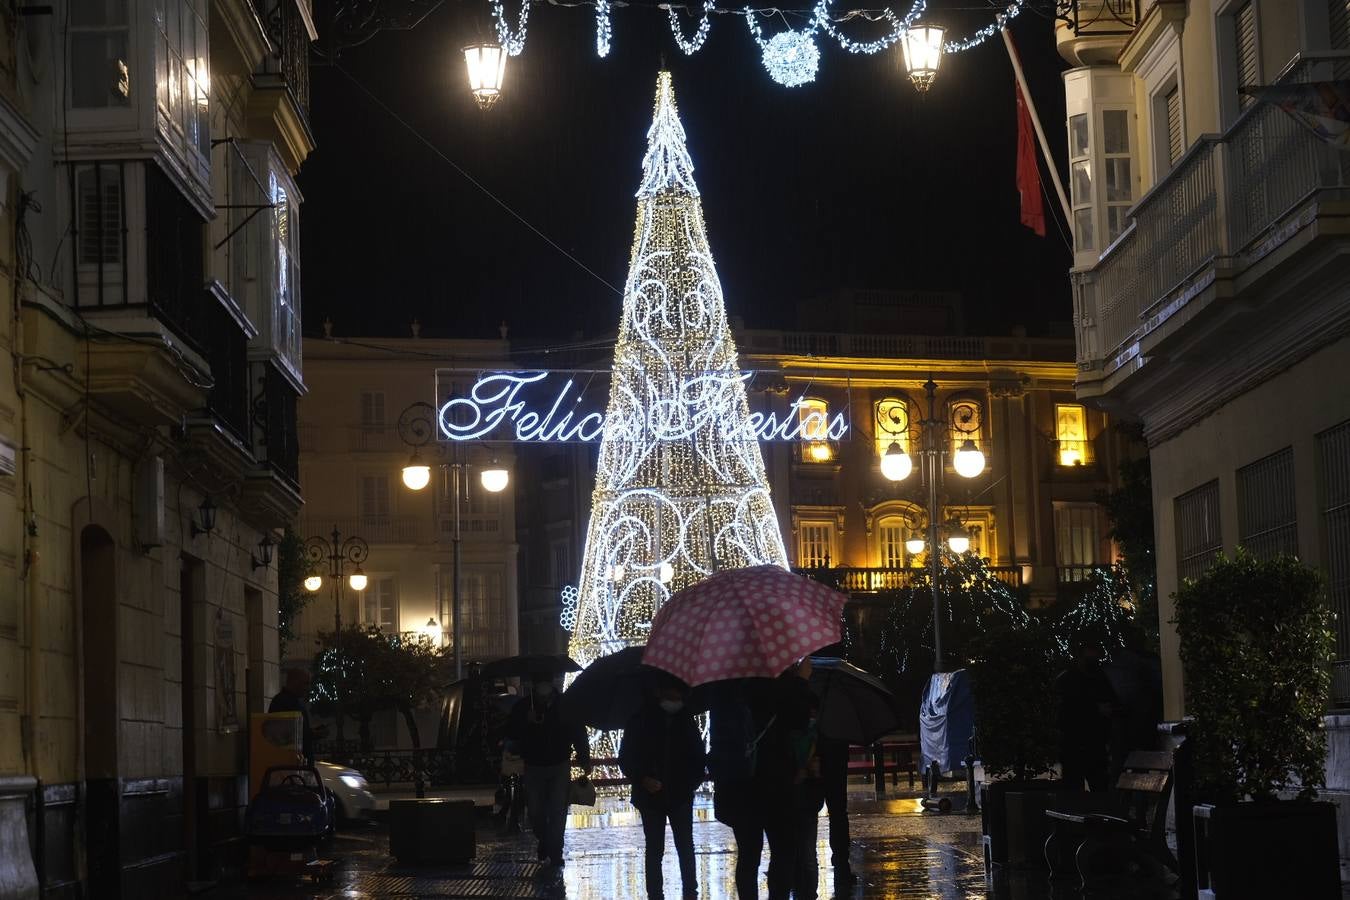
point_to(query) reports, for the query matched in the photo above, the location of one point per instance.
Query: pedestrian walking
(739, 717)
(662, 755)
(546, 743)
(1086, 703)
(783, 766)
(294, 697)
(833, 754)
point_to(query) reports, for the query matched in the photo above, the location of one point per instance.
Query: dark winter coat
(543, 738)
(664, 746)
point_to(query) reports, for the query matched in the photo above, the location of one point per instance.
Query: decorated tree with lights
(680, 490)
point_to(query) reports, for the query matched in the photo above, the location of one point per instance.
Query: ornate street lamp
(486, 62)
(968, 462)
(417, 428)
(338, 553)
(921, 50)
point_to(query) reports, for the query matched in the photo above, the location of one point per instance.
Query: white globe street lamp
(313, 582)
(959, 541)
(968, 461)
(895, 463)
(915, 546)
(416, 475)
(357, 580)
(495, 478)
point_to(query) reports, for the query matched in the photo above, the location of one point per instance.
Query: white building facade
(1212, 299)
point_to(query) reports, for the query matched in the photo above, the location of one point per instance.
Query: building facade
(1212, 300)
(147, 451)
(1033, 511)
(352, 453)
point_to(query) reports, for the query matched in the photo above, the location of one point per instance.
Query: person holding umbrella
(546, 743)
(662, 755)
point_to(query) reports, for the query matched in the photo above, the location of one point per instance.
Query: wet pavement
(898, 851)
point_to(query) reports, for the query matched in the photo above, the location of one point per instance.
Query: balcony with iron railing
(850, 580)
(1228, 203)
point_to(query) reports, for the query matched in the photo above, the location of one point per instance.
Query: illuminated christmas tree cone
(680, 490)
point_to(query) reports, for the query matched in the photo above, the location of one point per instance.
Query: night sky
(855, 180)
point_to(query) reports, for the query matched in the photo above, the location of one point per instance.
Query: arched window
(891, 417)
(967, 418)
(813, 419)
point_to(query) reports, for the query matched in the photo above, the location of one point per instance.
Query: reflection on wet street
(898, 851)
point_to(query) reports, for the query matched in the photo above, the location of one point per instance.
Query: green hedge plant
(1256, 648)
(1013, 667)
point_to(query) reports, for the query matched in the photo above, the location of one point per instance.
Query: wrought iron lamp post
(338, 552)
(417, 428)
(968, 462)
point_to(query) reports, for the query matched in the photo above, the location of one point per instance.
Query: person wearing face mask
(545, 744)
(663, 756)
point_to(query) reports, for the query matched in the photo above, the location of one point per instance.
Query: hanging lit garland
(694, 44)
(898, 27)
(988, 31)
(514, 43)
(791, 57)
(602, 28)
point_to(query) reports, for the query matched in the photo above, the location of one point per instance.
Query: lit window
(1071, 434)
(813, 419)
(815, 544)
(1077, 541)
(967, 420)
(892, 425)
(891, 534)
(379, 604)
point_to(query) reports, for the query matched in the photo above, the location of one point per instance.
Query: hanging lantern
(895, 463)
(487, 68)
(921, 49)
(968, 461)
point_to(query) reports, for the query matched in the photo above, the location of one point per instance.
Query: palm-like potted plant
(1256, 648)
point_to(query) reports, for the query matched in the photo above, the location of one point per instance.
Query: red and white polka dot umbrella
(743, 623)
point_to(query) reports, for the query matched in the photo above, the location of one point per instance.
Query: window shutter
(1247, 68)
(1174, 140)
(1338, 18)
(100, 209)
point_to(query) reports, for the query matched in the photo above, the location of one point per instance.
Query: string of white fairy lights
(791, 56)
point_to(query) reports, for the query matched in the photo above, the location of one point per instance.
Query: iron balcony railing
(1099, 18)
(1223, 200)
(375, 529)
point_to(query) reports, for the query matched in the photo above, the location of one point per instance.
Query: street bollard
(971, 807)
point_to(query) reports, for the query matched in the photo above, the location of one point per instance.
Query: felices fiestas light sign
(566, 406)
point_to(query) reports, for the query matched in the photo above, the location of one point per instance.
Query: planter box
(1002, 816)
(1264, 850)
(431, 832)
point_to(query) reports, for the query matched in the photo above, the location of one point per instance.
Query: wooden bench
(884, 758)
(1104, 834)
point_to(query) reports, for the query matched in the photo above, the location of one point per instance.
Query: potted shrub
(1256, 648)
(1012, 669)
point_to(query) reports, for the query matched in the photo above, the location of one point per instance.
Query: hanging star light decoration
(792, 58)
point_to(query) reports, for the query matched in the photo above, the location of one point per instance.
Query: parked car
(349, 789)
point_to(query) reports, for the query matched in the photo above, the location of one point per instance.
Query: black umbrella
(855, 706)
(530, 664)
(611, 690)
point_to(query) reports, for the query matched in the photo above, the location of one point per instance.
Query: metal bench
(1103, 835)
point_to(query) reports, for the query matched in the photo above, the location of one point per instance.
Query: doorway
(98, 616)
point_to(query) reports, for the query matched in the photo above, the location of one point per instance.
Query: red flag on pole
(1028, 175)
